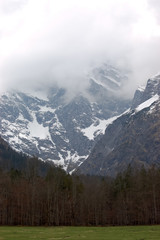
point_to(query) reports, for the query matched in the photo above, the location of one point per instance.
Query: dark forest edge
(35, 193)
(132, 198)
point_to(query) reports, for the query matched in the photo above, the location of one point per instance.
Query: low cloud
(43, 42)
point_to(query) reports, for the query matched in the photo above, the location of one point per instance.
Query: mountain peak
(156, 77)
(132, 139)
(142, 94)
(52, 128)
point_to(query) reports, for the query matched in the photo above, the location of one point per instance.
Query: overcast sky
(42, 41)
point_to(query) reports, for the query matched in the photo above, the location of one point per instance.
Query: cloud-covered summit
(48, 41)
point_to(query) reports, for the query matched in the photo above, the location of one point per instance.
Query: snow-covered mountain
(132, 138)
(58, 130)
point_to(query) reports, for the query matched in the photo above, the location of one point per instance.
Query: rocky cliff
(132, 139)
(56, 129)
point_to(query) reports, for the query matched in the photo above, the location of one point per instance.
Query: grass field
(78, 233)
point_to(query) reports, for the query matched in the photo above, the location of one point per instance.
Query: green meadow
(79, 233)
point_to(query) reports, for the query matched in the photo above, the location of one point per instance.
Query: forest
(34, 193)
(132, 198)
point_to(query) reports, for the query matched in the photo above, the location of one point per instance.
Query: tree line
(36, 193)
(56, 198)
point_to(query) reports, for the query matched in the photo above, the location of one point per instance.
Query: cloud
(48, 41)
(154, 6)
(10, 6)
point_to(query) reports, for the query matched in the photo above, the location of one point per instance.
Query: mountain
(17, 163)
(132, 138)
(55, 127)
(10, 159)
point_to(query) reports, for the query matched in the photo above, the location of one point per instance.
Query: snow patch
(141, 88)
(155, 77)
(93, 130)
(72, 157)
(147, 103)
(38, 130)
(47, 109)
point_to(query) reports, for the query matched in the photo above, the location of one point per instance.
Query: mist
(45, 42)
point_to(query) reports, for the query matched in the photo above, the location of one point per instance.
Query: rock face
(144, 93)
(133, 138)
(58, 130)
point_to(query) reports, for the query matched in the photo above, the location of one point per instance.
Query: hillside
(132, 139)
(60, 128)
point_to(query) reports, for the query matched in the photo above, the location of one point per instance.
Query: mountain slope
(133, 138)
(59, 130)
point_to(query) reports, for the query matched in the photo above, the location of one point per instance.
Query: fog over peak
(43, 42)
